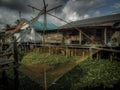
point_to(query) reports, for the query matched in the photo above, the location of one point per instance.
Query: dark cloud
(72, 10)
(10, 9)
(19, 5)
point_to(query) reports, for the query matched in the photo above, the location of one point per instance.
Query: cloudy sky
(71, 10)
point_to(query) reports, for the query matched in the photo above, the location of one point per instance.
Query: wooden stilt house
(104, 30)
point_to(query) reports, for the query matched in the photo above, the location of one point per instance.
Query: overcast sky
(71, 10)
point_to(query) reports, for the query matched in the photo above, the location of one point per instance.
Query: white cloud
(73, 17)
(81, 9)
(86, 16)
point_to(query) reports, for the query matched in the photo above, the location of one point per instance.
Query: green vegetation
(35, 64)
(90, 74)
(46, 58)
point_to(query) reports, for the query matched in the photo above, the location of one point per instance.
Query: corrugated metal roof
(39, 26)
(94, 21)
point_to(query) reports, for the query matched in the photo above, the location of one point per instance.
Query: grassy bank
(91, 75)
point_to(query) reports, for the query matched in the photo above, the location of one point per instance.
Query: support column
(16, 78)
(80, 37)
(105, 36)
(45, 79)
(16, 74)
(4, 80)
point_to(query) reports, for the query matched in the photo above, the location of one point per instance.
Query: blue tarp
(38, 26)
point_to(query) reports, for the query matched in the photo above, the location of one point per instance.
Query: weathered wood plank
(4, 61)
(6, 54)
(8, 67)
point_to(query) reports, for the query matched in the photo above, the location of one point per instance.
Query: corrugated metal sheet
(94, 21)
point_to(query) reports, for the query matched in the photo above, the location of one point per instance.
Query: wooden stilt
(90, 51)
(49, 49)
(75, 51)
(66, 52)
(105, 36)
(97, 56)
(16, 79)
(111, 57)
(71, 52)
(16, 60)
(83, 53)
(45, 80)
(4, 80)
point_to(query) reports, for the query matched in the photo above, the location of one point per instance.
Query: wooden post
(90, 52)
(16, 79)
(49, 50)
(15, 51)
(97, 56)
(75, 51)
(45, 80)
(111, 56)
(80, 37)
(4, 80)
(72, 52)
(66, 51)
(100, 55)
(83, 53)
(105, 36)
